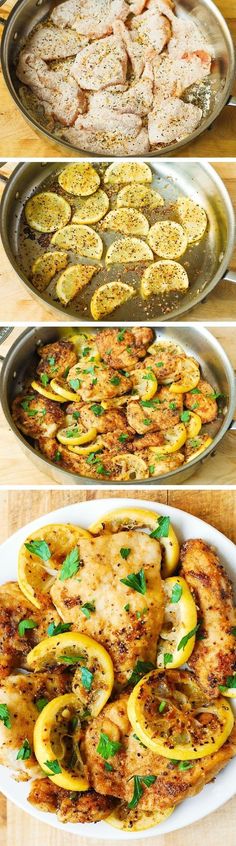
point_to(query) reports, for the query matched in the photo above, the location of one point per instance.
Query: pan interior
(202, 261)
(194, 342)
(209, 94)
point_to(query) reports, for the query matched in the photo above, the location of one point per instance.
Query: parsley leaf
(162, 529)
(40, 703)
(87, 608)
(184, 640)
(115, 380)
(136, 581)
(24, 752)
(70, 659)
(97, 409)
(53, 766)
(39, 548)
(59, 629)
(167, 658)
(57, 456)
(71, 565)
(26, 624)
(195, 391)
(147, 421)
(230, 682)
(122, 438)
(176, 593)
(5, 716)
(162, 706)
(152, 469)
(185, 416)
(140, 669)
(51, 360)
(120, 334)
(76, 415)
(127, 607)
(86, 678)
(108, 767)
(138, 789)
(44, 379)
(107, 748)
(233, 631)
(125, 552)
(75, 384)
(185, 765)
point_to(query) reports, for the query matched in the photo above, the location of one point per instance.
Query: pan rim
(171, 148)
(57, 309)
(87, 480)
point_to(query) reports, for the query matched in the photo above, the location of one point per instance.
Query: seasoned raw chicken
(148, 31)
(171, 120)
(187, 38)
(57, 89)
(126, 637)
(214, 656)
(136, 99)
(49, 43)
(80, 807)
(101, 64)
(89, 18)
(101, 118)
(99, 382)
(123, 348)
(163, 412)
(14, 607)
(171, 786)
(107, 143)
(37, 416)
(173, 76)
(202, 400)
(55, 358)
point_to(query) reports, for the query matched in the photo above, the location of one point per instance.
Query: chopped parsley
(140, 669)
(57, 456)
(71, 565)
(150, 403)
(5, 716)
(147, 421)
(162, 529)
(233, 631)
(53, 766)
(138, 788)
(185, 416)
(97, 409)
(230, 683)
(162, 706)
(125, 552)
(115, 380)
(152, 469)
(44, 378)
(122, 438)
(71, 659)
(87, 609)
(184, 640)
(26, 624)
(39, 548)
(195, 391)
(24, 752)
(159, 363)
(107, 748)
(86, 678)
(40, 703)
(51, 360)
(75, 384)
(167, 658)
(136, 581)
(127, 607)
(172, 406)
(108, 767)
(120, 335)
(176, 593)
(59, 629)
(185, 765)
(76, 415)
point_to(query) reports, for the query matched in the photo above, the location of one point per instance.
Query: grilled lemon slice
(41, 556)
(81, 239)
(142, 518)
(46, 392)
(128, 467)
(174, 440)
(168, 239)
(60, 387)
(192, 217)
(162, 277)
(80, 179)
(52, 729)
(144, 382)
(190, 376)
(134, 819)
(138, 196)
(74, 436)
(92, 209)
(195, 446)
(128, 250)
(124, 172)
(108, 297)
(180, 618)
(193, 425)
(47, 211)
(46, 266)
(73, 280)
(127, 221)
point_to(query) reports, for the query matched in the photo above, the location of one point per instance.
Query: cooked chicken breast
(113, 420)
(163, 412)
(202, 400)
(81, 807)
(214, 656)
(152, 439)
(101, 64)
(171, 786)
(37, 416)
(171, 120)
(126, 636)
(49, 43)
(56, 358)
(123, 348)
(14, 607)
(99, 382)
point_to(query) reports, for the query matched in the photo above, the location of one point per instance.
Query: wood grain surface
(18, 304)
(18, 136)
(18, 508)
(17, 469)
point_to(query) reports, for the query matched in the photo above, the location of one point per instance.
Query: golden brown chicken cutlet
(162, 412)
(202, 400)
(110, 420)
(56, 358)
(214, 655)
(37, 416)
(98, 381)
(14, 645)
(122, 348)
(79, 807)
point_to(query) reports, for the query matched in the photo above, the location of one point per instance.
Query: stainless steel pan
(27, 13)
(206, 263)
(197, 341)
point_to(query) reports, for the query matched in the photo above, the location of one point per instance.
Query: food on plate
(108, 722)
(115, 404)
(47, 211)
(117, 78)
(115, 217)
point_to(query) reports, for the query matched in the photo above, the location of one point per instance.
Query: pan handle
(230, 275)
(231, 101)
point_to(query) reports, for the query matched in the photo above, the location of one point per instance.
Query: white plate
(187, 526)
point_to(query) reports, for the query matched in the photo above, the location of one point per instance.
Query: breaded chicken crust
(79, 807)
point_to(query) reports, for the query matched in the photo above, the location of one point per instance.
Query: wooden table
(17, 469)
(17, 508)
(17, 304)
(17, 136)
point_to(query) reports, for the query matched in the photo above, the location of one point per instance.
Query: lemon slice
(82, 239)
(80, 179)
(51, 729)
(194, 425)
(192, 217)
(128, 250)
(108, 297)
(46, 392)
(135, 819)
(162, 277)
(189, 379)
(73, 280)
(87, 449)
(174, 440)
(168, 239)
(92, 209)
(138, 196)
(59, 386)
(79, 652)
(180, 618)
(141, 518)
(127, 221)
(115, 402)
(47, 211)
(123, 172)
(144, 382)
(46, 266)
(178, 731)
(195, 446)
(41, 556)
(128, 467)
(74, 436)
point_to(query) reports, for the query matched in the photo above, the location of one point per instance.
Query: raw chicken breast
(101, 64)
(171, 120)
